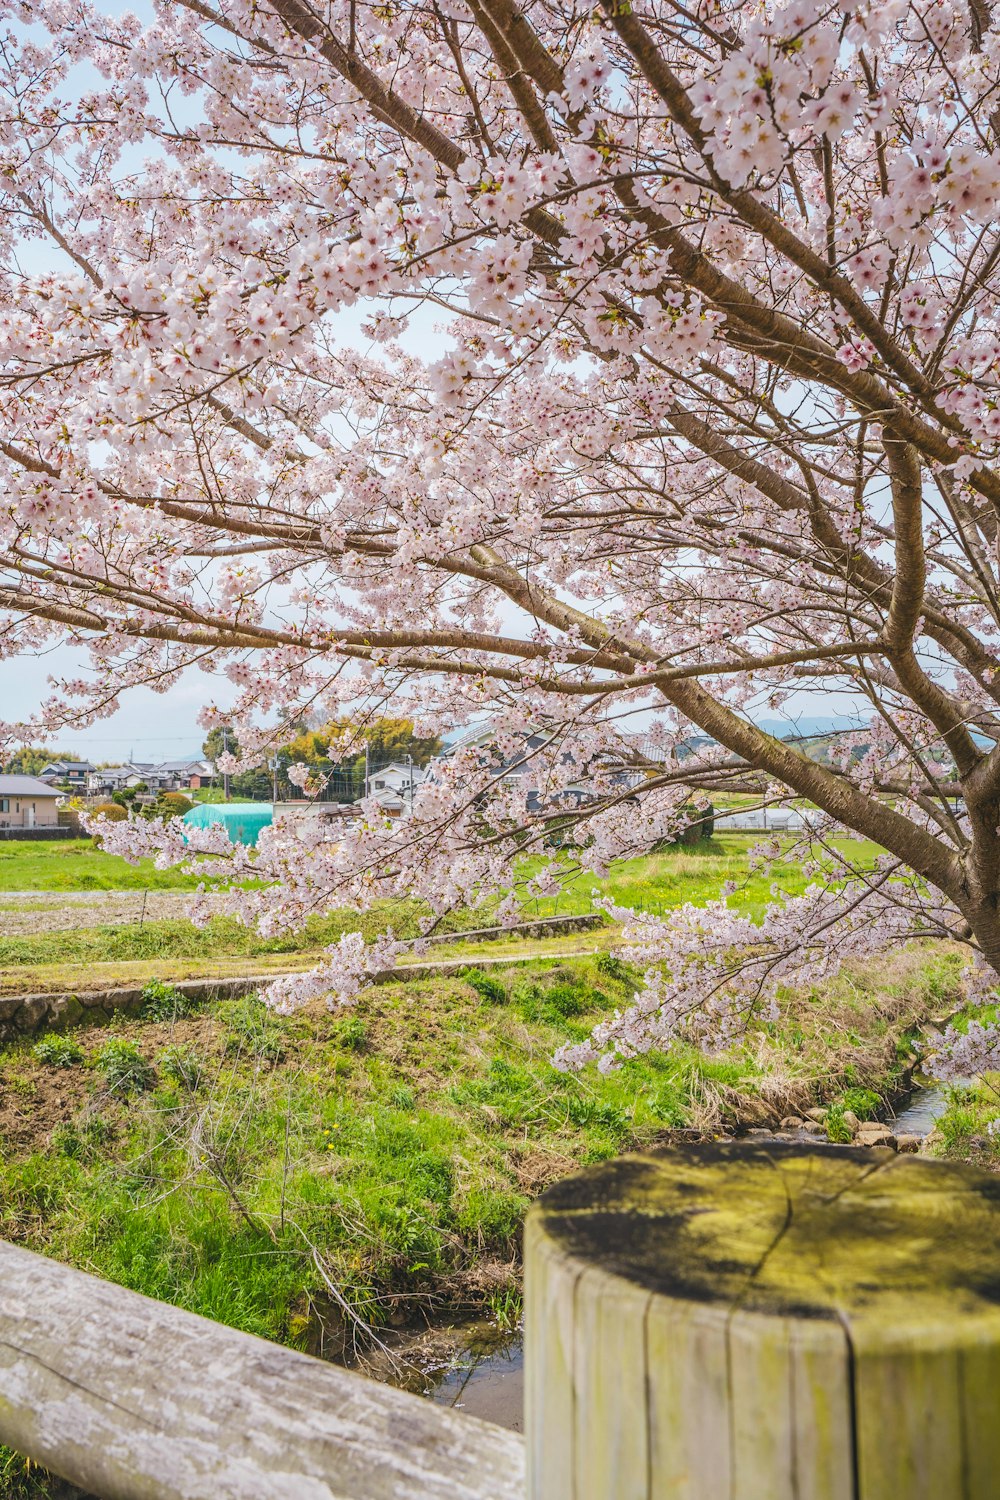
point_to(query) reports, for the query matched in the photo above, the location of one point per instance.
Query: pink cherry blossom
(614, 391)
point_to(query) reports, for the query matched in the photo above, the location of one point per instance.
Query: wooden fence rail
(722, 1322)
(135, 1400)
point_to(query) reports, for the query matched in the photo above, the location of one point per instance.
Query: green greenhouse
(243, 821)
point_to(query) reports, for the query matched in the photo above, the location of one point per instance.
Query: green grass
(656, 883)
(403, 1138)
(690, 873)
(963, 1132)
(398, 1138)
(178, 938)
(79, 865)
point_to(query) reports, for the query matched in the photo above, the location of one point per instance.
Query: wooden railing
(725, 1322)
(135, 1400)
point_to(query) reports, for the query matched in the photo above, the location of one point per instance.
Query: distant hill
(808, 727)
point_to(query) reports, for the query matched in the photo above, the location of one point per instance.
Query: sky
(150, 725)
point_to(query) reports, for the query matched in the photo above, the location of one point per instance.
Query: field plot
(97, 934)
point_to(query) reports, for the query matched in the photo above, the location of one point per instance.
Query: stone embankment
(899, 1134)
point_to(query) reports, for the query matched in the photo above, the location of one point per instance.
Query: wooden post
(736, 1321)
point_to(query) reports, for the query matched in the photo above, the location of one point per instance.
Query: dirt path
(26, 912)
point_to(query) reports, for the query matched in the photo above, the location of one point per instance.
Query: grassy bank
(403, 1137)
(180, 939)
(228, 1161)
(691, 873)
(969, 1130)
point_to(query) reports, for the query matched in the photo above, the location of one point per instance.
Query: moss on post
(739, 1322)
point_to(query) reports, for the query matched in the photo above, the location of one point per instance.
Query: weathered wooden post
(744, 1322)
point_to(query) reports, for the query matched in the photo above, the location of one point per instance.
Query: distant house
(109, 779)
(72, 773)
(392, 804)
(397, 778)
(28, 802)
(157, 776)
(174, 775)
(201, 774)
(189, 774)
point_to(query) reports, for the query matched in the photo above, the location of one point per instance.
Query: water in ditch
(923, 1109)
(476, 1368)
(487, 1382)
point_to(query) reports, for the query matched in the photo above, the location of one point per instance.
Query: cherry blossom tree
(467, 359)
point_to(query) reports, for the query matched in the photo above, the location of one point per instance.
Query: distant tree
(220, 738)
(31, 760)
(172, 805)
(387, 739)
(254, 785)
(309, 747)
(336, 752)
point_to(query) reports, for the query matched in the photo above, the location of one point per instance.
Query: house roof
(25, 786)
(155, 768)
(70, 765)
(389, 798)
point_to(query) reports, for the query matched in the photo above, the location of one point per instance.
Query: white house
(110, 779)
(396, 778)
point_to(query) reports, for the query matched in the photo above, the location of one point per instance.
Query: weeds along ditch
(208, 1156)
(324, 1178)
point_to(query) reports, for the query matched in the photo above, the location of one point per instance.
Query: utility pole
(225, 774)
(366, 768)
(274, 778)
(409, 762)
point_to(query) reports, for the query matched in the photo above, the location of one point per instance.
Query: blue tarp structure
(242, 820)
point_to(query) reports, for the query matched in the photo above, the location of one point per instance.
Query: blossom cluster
(571, 398)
